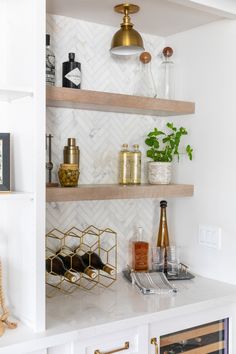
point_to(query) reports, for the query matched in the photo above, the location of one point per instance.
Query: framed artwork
(4, 162)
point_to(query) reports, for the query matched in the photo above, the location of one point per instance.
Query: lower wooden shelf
(116, 191)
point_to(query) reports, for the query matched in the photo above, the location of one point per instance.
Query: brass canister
(68, 175)
(71, 152)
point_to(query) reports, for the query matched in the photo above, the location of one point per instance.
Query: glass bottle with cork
(145, 85)
(124, 165)
(140, 253)
(163, 235)
(135, 165)
(167, 85)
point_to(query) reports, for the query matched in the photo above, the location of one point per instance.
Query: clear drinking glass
(172, 260)
(158, 254)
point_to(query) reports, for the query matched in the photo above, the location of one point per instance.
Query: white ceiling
(159, 17)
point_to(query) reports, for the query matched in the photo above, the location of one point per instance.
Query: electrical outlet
(209, 236)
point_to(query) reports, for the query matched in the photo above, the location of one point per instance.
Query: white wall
(206, 73)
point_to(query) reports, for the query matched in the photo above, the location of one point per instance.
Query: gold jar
(68, 175)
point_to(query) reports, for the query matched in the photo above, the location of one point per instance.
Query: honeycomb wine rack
(101, 241)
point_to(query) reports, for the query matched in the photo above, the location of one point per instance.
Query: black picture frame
(5, 184)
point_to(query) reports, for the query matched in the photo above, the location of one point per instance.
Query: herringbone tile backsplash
(100, 134)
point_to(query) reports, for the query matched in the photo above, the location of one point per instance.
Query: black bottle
(75, 262)
(93, 259)
(71, 73)
(55, 265)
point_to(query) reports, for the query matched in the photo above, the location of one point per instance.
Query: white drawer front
(132, 341)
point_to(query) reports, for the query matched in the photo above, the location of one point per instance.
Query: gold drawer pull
(126, 346)
(154, 342)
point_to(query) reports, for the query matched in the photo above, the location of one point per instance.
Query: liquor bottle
(145, 85)
(163, 236)
(50, 63)
(166, 89)
(71, 73)
(135, 165)
(54, 264)
(140, 253)
(124, 165)
(93, 259)
(73, 261)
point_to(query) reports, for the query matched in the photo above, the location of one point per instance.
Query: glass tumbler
(172, 260)
(158, 254)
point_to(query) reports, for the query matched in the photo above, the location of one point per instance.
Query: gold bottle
(163, 235)
(124, 165)
(135, 165)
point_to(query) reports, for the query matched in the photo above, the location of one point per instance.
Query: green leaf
(189, 151)
(171, 126)
(150, 141)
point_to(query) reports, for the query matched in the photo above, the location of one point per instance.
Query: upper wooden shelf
(114, 102)
(116, 191)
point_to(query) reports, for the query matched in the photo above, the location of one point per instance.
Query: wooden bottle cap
(145, 57)
(167, 52)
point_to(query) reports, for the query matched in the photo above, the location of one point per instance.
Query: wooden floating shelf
(114, 102)
(116, 191)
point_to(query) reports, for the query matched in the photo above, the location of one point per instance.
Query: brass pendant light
(126, 41)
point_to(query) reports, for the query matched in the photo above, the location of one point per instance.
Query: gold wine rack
(101, 241)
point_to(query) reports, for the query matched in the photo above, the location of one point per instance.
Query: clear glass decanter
(145, 85)
(167, 84)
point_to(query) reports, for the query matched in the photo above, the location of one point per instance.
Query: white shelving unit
(8, 196)
(23, 222)
(9, 95)
(22, 227)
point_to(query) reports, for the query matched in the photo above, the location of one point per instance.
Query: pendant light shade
(126, 41)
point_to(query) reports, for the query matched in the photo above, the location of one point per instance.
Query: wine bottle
(71, 73)
(93, 259)
(54, 264)
(50, 63)
(74, 261)
(163, 236)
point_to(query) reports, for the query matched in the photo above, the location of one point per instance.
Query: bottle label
(50, 69)
(50, 254)
(124, 168)
(66, 251)
(50, 63)
(74, 76)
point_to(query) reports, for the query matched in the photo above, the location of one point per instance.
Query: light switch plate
(210, 236)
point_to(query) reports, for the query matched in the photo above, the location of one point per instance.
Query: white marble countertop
(122, 301)
(71, 317)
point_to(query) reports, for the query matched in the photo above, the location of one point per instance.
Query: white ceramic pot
(159, 172)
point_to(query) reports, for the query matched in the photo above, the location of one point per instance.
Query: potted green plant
(163, 148)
